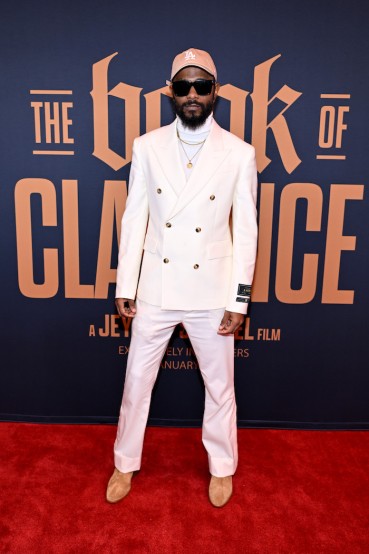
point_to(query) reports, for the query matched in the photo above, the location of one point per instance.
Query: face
(193, 109)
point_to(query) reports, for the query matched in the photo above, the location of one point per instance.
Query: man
(186, 178)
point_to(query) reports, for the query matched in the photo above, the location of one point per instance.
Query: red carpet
(295, 492)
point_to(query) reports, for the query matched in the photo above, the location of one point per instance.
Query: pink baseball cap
(194, 57)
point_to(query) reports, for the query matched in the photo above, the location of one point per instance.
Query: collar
(195, 134)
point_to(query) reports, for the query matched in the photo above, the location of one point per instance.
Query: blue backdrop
(79, 81)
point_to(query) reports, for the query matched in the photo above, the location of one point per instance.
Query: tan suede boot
(220, 490)
(119, 486)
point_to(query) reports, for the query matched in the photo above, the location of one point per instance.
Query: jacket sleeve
(133, 229)
(244, 229)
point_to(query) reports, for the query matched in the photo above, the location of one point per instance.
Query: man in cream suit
(182, 259)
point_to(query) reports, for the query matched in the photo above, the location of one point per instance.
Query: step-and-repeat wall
(80, 80)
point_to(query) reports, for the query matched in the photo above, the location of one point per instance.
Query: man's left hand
(230, 323)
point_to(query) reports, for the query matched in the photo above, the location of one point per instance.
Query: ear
(169, 84)
(216, 89)
(171, 92)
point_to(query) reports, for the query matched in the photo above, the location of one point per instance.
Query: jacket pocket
(150, 244)
(219, 249)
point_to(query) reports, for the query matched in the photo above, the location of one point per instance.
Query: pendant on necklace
(189, 165)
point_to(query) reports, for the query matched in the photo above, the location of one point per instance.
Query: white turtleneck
(195, 136)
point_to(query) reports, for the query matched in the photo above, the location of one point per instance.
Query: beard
(193, 121)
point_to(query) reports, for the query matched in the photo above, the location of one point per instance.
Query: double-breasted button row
(159, 191)
(168, 224)
(166, 261)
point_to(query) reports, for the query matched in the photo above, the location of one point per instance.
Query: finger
(127, 311)
(125, 307)
(225, 321)
(132, 305)
(232, 328)
(225, 329)
(231, 325)
(119, 304)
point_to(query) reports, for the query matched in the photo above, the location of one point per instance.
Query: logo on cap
(190, 55)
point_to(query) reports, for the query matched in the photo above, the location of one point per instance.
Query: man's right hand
(126, 307)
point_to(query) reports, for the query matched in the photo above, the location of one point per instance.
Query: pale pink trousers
(152, 328)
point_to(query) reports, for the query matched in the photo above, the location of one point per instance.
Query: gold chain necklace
(190, 164)
(189, 143)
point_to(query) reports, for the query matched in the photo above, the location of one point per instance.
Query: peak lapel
(212, 156)
(167, 154)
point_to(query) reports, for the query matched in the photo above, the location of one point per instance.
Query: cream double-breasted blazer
(179, 249)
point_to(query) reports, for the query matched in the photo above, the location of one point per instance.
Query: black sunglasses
(203, 87)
